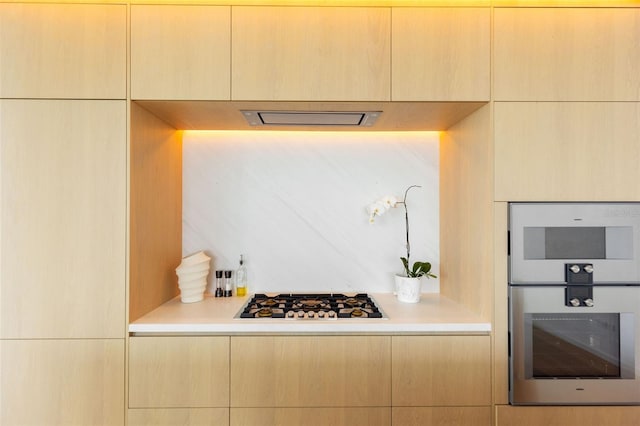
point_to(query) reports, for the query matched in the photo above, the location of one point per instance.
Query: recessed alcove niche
(295, 204)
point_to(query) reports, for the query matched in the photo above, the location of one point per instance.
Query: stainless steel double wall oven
(574, 303)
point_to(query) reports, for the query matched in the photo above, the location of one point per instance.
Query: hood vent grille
(312, 118)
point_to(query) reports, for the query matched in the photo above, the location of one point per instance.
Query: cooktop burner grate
(329, 306)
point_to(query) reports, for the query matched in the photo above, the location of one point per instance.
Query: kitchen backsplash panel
(295, 204)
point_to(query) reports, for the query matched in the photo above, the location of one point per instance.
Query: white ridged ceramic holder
(192, 277)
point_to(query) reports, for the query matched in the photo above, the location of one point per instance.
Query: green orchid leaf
(405, 262)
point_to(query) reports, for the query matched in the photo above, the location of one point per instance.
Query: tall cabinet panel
(310, 53)
(573, 54)
(440, 54)
(180, 52)
(63, 199)
(73, 51)
(63, 172)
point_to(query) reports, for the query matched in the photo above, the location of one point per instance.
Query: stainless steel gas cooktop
(306, 306)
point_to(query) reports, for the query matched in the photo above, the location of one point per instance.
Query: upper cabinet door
(180, 52)
(72, 51)
(567, 54)
(311, 53)
(440, 54)
(567, 151)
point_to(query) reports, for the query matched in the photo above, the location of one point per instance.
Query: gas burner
(311, 306)
(265, 312)
(310, 303)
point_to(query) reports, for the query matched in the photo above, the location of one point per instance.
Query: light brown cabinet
(441, 371)
(180, 52)
(507, 415)
(311, 54)
(63, 168)
(566, 54)
(311, 371)
(370, 416)
(178, 416)
(441, 380)
(62, 382)
(569, 151)
(71, 51)
(286, 380)
(186, 372)
(440, 54)
(63, 171)
(450, 416)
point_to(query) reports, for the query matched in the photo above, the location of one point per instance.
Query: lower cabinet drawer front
(179, 372)
(433, 371)
(311, 371)
(507, 415)
(370, 416)
(450, 416)
(179, 416)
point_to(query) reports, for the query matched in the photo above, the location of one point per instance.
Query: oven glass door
(580, 345)
(565, 355)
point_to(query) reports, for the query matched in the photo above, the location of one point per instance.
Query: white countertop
(433, 314)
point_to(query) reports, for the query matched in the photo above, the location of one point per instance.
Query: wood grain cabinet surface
(567, 54)
(370, 416)
(449, 416)
(508, 415)
(570, 151)
(62, 382)
(63, 216)
(311, 371)
(432, 371)
(180, 52)
(178, 416)
(71, 51)
(311, 53)
(440, 54)
(186, 372)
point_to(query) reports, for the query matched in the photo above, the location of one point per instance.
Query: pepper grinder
(219, 292)
(228, 284)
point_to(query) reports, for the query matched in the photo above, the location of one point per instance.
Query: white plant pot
(408, 289)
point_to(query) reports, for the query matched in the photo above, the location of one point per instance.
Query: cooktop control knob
(574, 302)
(300, 314)
(332, 314)
(588, 269)
(588, 302)
(290, 314)
(320, 314)
(311, 314)
(575, 269)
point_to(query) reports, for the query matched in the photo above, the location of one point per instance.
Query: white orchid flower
(376, 209)
(389, 201)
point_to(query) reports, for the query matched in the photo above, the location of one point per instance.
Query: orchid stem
(406, 219)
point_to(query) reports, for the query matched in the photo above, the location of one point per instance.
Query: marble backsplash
(295, 204)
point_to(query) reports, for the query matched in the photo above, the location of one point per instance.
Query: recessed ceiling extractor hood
(311, 118)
